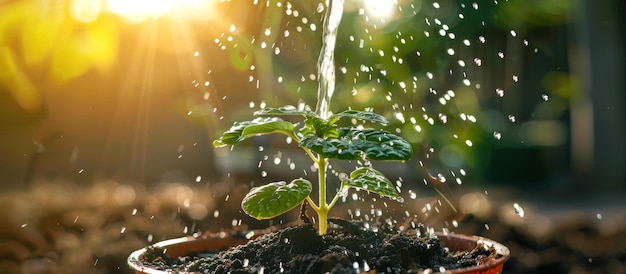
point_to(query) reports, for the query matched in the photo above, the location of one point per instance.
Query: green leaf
(285, 110)
(360, 115)
(317, 126)
(372, 180)
(356, 144)
(259, 126)
(271, 200)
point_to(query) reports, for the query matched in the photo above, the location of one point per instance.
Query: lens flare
(380, 11)
(135, 11)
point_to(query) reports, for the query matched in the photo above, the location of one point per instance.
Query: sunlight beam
(135, 11)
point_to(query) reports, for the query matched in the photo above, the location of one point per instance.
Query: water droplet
(320, 8)
(500, 92)
(248, 235)
(545, 97)
(443, 118)
(512, 118)
(441, 178)
(599, 216)
(497, 135)
(478, 62)
(198, 179)
(518, 210)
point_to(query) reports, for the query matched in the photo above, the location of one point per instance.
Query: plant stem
(312, 204)
(337, 195)
(323, 209)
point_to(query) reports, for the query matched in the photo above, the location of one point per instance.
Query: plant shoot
(322, 140)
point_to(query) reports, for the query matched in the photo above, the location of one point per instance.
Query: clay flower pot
(182, 246)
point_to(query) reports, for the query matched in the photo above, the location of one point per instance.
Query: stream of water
(325, 65)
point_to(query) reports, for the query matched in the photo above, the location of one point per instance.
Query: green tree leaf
(355, 144)
(360, 115)
(259, 126)
(367, 178)
(271, 200)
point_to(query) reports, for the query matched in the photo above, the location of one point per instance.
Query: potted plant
(304, 248)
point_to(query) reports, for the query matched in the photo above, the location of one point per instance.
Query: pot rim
(135, 264)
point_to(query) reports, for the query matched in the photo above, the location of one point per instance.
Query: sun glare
(134, 11)
(86, 10)
(380, 10)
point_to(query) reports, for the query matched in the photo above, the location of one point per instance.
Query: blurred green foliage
(43, 43)
(433, 69)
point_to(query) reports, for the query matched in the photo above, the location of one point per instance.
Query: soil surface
(300, 249)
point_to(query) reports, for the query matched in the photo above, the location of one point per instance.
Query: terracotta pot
(182, 246)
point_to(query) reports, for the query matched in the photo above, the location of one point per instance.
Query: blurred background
(108, 109)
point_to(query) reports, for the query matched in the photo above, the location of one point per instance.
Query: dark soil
(300, 249)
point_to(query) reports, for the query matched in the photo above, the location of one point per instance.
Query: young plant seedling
(321, 139)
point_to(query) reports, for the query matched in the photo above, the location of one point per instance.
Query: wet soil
(300, 249)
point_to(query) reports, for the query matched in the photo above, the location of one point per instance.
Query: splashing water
(326, 66)
(432, 92)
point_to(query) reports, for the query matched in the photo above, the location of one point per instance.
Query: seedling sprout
(322, 140)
